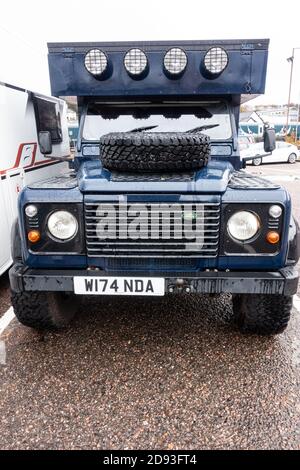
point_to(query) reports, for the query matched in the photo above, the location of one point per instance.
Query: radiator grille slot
(189, 229)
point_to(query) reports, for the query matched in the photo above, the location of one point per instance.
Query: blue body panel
(94, 183)
(60, 196)
(259, 261)
(210, 180)
(244, 74)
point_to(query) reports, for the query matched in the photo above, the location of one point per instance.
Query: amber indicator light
(273, 237)
(34, 236)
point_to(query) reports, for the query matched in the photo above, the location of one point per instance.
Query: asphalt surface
(152, 373)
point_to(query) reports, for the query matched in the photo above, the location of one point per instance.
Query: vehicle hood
(213, 178)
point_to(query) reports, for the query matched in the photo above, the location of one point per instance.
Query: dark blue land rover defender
(156, 201)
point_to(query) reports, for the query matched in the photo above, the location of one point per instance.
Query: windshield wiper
(203, 128)
(195, 129)
(141, 129)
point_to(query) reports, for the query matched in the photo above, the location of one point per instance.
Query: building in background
(252, 121)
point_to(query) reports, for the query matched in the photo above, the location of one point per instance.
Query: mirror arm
(67, 158)
(248, 159)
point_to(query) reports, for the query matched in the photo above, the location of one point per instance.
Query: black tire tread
(154, 151)
(264, 314)
(40, 310)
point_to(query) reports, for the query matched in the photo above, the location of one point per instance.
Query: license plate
(119, 285)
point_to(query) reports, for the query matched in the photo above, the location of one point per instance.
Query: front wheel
(44, 310)
(292, 158)
(264, 314)
(257, 161)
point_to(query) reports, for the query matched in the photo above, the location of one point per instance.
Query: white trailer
(22, 115)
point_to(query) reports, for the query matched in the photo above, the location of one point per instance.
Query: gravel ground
(169, 373)
(4, 294)
(151, 373)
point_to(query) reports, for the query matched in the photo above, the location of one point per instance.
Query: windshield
(210, 118)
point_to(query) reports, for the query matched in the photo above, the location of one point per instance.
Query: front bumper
(284, 281)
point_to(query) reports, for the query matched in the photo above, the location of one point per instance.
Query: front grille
(178, 264)
(152, 234)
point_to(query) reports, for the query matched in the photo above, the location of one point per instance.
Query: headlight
(216, 60)
(135, 62)
(175, 61)
(62, 225)
(95, 62)
(243, 225)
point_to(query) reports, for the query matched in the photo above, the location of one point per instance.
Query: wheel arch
(16, 242)
(294, 242)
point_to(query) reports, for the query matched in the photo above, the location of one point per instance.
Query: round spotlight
(31, 211)
(243, 225)
(216, 60)
(135, 62)
(275, 211)
(175, 61)
(62, 225)
(95, 62)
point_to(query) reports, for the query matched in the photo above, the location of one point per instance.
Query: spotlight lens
(135, 61)
(275, 211)
(31, 211)
(95, 62)
(216, 60)
(175, 61)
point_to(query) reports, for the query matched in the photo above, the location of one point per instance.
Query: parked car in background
(284, 153)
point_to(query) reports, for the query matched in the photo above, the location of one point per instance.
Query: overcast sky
(26, 27)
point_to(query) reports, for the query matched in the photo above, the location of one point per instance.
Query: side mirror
(45, 142)
(269, 140)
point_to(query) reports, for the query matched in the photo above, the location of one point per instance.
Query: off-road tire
(292, 158)
(263, 314)
(154, 151)
(44, 310)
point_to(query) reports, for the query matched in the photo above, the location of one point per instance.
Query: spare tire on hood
(154, 151)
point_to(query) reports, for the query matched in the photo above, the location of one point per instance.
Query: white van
(22, 115)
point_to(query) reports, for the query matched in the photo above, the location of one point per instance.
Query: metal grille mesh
(216, 60)
(154, 240)
(175, 60)
(95, 62)
(135, 61)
